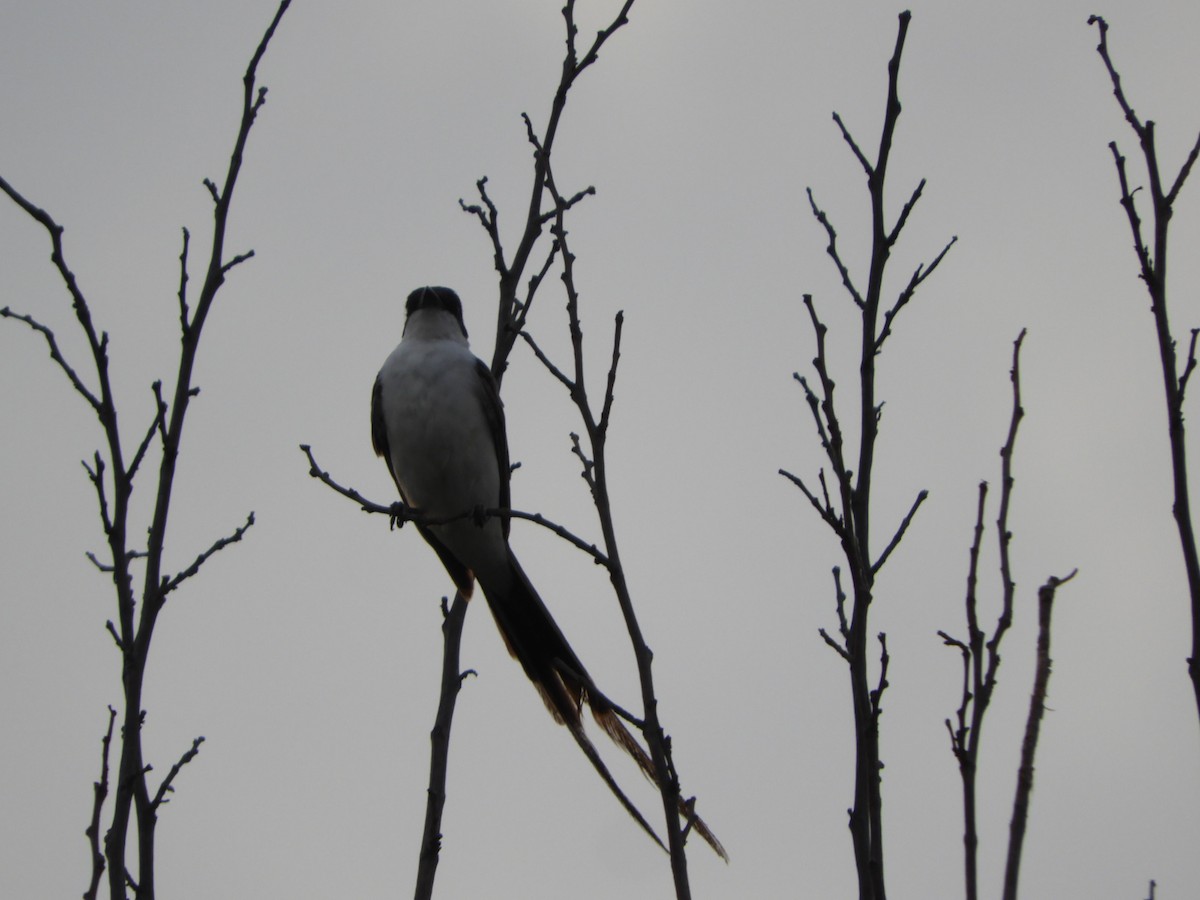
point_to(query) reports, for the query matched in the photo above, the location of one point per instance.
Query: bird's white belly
(442, 447)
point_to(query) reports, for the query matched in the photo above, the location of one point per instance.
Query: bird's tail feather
(608, 720)
(589, 750)
(535, 640)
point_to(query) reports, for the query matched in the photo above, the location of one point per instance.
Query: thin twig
(1037, 708)
(160, 797)
(169, 584)
(99, 793)
(400, 513)
(1152, 261)
(832, 249)
(900, 531)
(845, 505)
(453, 618)
(55, 353)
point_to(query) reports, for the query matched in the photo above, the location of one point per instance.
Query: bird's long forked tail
(535, 640)
(608, 720)
(589, 750)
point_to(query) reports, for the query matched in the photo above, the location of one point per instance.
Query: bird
(438, 423)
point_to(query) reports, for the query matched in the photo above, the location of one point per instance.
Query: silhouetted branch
(1190, 365)
(594, 471)
(845, 505)
(882, 684)
(900, 532)
(99, 793)
(400, 512)
(982, 660)
(96, 477)
(546, 361)
(1152, 261)
(156, 427)
(169, 584)
(831, 248)
(823, 507)
(918, 276)
(52, 343)
(453, 618)
(1037, 707)
(133, 635)
(853, 145)
(160, 797)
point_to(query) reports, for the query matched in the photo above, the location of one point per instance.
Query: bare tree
(981, 661)
(517, 291)
(1152, 262)
(845, 504)
(112, 474)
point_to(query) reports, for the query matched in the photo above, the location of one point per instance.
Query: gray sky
(308, 655)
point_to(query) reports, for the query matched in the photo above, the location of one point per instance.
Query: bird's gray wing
(459, 574)
(493, 410)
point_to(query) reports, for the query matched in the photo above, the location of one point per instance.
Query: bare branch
(1003, 534)
(831, 441)
(814, 407)
(838, 648)
(169, 584)
(904, 213)
(972, 602)
(1189, 365)
(822, 508)
(1183, 172)
(867, 167)
(1102, 49)
(545, 361)
(958, 736)
(166, 787)
(156, 426)
(918, 276)
(601, 36)
(843, 622)
(882, 684)
(585, 461)
(453, 618)
(606, 409)
(112, 629)
(832, 249)
(96, 476)
(1153, 265)
(55, 354)
(1037, 708)
(400, 512)
(236, 261)
(899, 535)
(488, 217)
(1135, 221)
(99, 794)
(183, 281)
(103, 405)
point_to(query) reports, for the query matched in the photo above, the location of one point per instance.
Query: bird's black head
(436, 298)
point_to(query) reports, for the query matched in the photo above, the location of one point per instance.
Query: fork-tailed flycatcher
(437, 421)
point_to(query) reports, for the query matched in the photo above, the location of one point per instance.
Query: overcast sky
(308, 655)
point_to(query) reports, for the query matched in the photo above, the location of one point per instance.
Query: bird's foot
(398, 514)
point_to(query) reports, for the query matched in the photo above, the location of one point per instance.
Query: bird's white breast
(442, 447)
